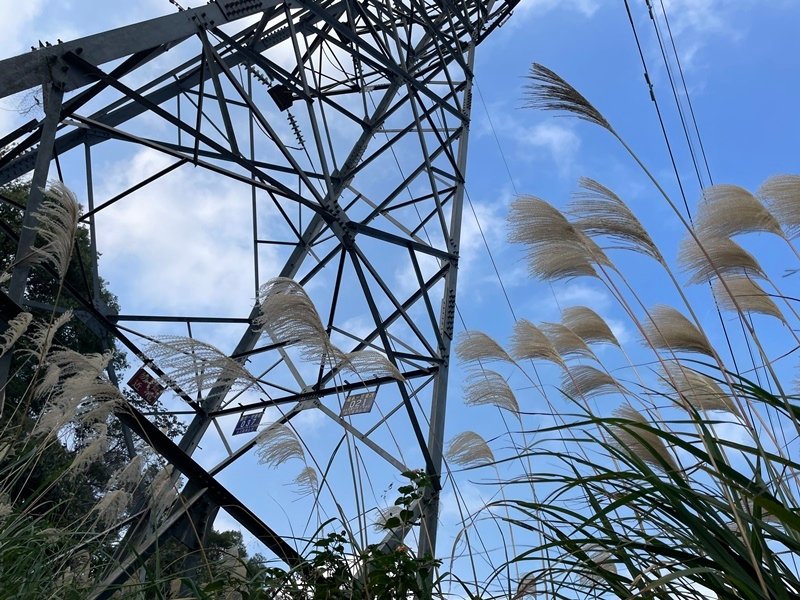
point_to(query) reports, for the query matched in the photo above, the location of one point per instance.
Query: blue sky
(740, 62)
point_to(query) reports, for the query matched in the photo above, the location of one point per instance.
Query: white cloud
(587, 8)
(560, 143)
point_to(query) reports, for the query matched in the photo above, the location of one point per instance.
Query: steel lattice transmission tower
(342, 126)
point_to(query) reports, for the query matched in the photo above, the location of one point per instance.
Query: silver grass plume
(696, 390)
(550, 92)
(112, 506)
(588, 325)
(636, 439)
(277, 444)
(366, 362)
(566, 341)
(742, 293)
(307, 482)
(596, 210)
(782, 195)
(163, 491)
(468, 449)
(526, 588)
(91, 452)
(287, 314)
(475, 346)
(602, 559)
(528, 342)
(668, 329)
(556, 249)
(484, 386)
(728, 210)
(585, 381)
(56, 225)
(196, 366)
(718, 256)
(42, 334)
(16, 327)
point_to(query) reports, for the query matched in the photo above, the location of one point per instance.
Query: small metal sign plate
(358, 403)
(248, 423)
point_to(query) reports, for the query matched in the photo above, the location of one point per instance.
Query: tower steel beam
(382, 93)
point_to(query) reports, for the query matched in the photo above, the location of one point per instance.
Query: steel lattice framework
(344, 125)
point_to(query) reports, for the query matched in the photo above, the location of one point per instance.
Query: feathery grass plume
(727, 210)
(717, 256)
(163, 491)
(289, 315)
(367, 363)
(526, 588)
(196, 366)
(475, 346)
(16, 327)
(668, 329)
(636, 438)
(550, 92)
(468, 449)
(277, 444)
(56, 225)
(782, 195)
(742, 293)
(90, 453)
(588, 325)
(307, 482)
(602, 559)
(484, 386)
(42, 334)
(697, 390)
(556, 249)
(585, 380)
(127, 477)
(599, 211)
(566, 341)
(111, 507)
(529, 342)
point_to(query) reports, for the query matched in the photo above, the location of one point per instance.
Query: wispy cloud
(587, 8)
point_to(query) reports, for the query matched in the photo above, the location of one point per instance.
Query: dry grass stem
(468, 449)
(742, 293)
(588, 325)
(719, 256)
(635, 438)
(668, 329)
(596, 210)
(277, 444)
(728, 210)
(782, 195)
(583, 381)
(484, 386)
(550, 92)
(476, 346)
(528, 342)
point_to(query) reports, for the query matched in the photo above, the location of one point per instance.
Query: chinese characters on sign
(146, 386)
(358, 403)
(248, 423)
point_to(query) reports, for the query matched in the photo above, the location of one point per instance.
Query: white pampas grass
(744, 294)
(588, 325)
(484, 386)
(163, 491)
(728, 210)
(111, 507)
(196, 366)
(556, 248)
(468, 449)
(476, 346)
(277, 444)
(602, 559)
(782, 195)
(127, 477)
(635, 438)
(92, 451)
(367, 362)
(717, 257)
(697, 391)
(16, 327)
(566, 341)
(289, 315)
(56, 225)
(550, 92)
(529, 342)
(668, 329)
(599, 211)
(307, 482)
(584, 381)
(42, 334)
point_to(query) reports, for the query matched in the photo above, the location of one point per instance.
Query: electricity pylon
(342, 125)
